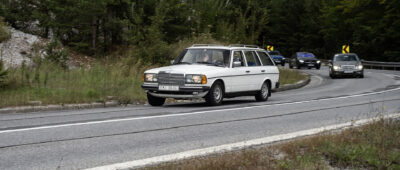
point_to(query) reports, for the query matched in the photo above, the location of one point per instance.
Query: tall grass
(289, 76)
(51, 84)
(373, 146)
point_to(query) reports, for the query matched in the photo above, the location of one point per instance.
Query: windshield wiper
(204, 62)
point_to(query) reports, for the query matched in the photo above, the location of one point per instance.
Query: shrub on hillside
(57, 54)
(3, 74)
(5, 32)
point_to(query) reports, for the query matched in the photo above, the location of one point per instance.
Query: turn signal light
(203, 79)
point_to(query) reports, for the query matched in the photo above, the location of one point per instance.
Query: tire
(298, 67)
(215, 95)
(318, 67)
(283, 63)
(264, 92)
(155, 101)
(362, 76)
(290, 66)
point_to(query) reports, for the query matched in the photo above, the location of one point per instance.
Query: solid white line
(186, 114)
(235, 146)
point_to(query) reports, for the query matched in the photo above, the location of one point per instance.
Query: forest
(97, 27)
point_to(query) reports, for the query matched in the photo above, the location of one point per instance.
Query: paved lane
(94, 137)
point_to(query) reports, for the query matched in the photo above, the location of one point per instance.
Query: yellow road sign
(345, 49)
(270, 48)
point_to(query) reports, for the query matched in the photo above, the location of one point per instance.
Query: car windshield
(217, 57)
(345, 58)
(274, 53)
(305, 55)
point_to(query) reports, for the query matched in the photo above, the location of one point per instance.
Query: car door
(271, 71)
(255, 70)
(239, 80)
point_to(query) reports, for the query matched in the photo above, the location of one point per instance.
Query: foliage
(5, 32)
(57, 54)
(51, 84)
(3, 74)
(370, 27)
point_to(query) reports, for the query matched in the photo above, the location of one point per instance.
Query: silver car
(346, 65)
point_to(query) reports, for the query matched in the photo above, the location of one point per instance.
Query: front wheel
(215, 95)
(263, 94)
(155, 101)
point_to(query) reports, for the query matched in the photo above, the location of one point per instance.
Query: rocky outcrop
(19, 48)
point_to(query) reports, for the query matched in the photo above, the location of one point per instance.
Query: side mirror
(172, 61)
(237, 64)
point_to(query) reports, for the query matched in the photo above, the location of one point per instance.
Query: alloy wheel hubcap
(217, 93)
(264, 91)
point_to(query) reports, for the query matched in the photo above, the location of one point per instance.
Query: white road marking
(235, 146)
(188, 113)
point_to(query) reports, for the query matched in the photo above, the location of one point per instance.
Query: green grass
(50, 84)
(289, 76)
(373, 146)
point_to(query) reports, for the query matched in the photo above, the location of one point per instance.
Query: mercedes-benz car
(277, 57)
(346, 65)
(213, 72)
(304, 59)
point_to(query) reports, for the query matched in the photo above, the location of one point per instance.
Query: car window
(266, 61)
(252, 59)
(237, 56)
(305, 55)
(345, 58)
(216, 57)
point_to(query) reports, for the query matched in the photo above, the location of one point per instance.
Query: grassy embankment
(119, 76)
(372, 146)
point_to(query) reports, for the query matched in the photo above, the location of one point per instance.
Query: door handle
(247, 71)
(263, 71)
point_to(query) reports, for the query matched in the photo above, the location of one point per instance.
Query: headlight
(318, 61)
(336, 67)
(196, 79)
(360, 67)
(301, 61)
(150, 77)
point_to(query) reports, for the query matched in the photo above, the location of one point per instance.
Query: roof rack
(244, 45)
(207, 45)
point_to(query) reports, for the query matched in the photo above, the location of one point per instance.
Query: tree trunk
(94, 34)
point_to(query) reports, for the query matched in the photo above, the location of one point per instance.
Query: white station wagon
(213, 72)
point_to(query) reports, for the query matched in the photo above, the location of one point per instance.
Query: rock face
(18, 48)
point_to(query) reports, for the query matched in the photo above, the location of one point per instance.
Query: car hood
(186, 69)
(346, 62)
(308, 59)
(277, 56)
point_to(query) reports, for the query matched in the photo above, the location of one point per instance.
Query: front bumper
(343, 73)
(183, 92)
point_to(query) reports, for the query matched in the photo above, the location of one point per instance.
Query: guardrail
(381, 65)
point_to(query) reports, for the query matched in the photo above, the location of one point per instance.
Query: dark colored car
(304, 59)
(277, 57)
(346, 65)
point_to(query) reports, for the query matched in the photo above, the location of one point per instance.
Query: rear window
(265, 60)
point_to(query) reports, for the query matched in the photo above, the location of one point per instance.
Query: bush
(3, 74)
(5, 32)
(56, 53)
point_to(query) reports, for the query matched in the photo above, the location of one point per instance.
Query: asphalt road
(94, 137)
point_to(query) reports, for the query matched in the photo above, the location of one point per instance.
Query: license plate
(310, 64)
(348, 71)
(168, 88)
(277, 61)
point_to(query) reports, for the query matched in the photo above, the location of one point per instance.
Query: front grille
(348, 67)
(309, 62)
(173, 79)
